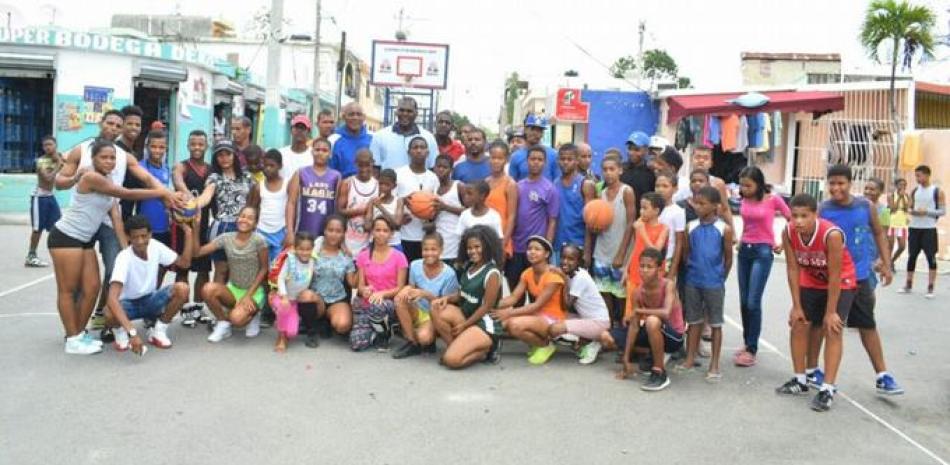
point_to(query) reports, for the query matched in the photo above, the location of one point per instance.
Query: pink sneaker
(744, 359)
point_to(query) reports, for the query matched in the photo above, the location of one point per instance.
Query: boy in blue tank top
(574, 192)
(859, 222)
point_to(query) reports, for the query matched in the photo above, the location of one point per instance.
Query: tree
(513, 87)
(657, 64)
(684, 82)
(909, 28)
(623, 65)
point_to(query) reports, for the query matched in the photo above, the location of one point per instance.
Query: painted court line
(769, 346)
(24, 286)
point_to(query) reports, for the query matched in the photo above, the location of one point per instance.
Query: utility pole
(641, 29)
(272, 132)
(316, 65)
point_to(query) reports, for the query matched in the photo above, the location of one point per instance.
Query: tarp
(784, 101)
(613, 116)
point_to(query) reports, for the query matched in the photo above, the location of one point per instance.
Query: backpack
(275, 267)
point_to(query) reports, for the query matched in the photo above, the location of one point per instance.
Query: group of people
(432, 237)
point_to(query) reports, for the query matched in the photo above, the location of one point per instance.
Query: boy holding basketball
(607, 256)
(574, 191)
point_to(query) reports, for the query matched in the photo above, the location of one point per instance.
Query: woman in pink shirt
(758, 210)
(381, 274)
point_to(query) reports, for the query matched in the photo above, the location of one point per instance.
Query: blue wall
(614, 115)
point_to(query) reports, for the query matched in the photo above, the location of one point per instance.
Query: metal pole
(316, 65)
(340, 72)
(272, 97)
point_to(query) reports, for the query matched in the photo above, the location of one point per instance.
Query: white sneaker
(589, 353)
(930, 295)
(903, 290)
(77, 346)
(222, 331)
(158, 336)
(121, 342)
(254, 327)
(88, 339)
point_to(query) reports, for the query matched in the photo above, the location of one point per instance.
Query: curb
(14, 219)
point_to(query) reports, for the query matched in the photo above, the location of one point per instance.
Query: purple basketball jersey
(317, 199)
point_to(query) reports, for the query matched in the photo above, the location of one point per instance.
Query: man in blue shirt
(390, 145)
(534, 127)
(859, 222)
(475, 165)
(153, 209)
(353, 136)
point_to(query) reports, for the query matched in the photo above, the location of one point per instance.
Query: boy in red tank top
(822, 282)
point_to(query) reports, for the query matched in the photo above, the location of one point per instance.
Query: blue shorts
(217, 229)
(275, 243)
(148, 306)
(44, 212)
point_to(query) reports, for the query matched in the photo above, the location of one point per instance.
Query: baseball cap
(639, 138)
(515, 132)
(536, 121)
(301, 119)
(544, 243)
(658, 142)
(223, 145)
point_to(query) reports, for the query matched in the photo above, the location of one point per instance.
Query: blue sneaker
(815, 379)
(887, 385)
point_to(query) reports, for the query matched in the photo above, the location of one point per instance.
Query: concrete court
(240, 403)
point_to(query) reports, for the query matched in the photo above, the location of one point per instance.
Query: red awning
(785, 101)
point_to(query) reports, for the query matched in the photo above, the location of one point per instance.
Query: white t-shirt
(491, 219)
(682, 189)
(292, 161)
(408, 182)
(140, 277)
(674, 217)
(588, 304)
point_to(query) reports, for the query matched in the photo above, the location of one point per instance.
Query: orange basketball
(598, 215)
(422, 204)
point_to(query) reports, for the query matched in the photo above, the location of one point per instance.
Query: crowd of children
(498, 257)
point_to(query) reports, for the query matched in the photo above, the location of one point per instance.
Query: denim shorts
(149, 305)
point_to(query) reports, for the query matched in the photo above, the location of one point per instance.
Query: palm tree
(905, 25)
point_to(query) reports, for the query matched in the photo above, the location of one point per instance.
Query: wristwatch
(133, 333)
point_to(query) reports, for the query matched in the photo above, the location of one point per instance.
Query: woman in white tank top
(71, 247)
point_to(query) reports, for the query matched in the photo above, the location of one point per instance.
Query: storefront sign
(104, 43)
(569, 106)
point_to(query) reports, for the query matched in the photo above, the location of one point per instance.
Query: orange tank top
(653, 234)
(498, 200)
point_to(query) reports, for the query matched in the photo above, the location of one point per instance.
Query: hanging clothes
(696, 124)
(715, 130)
(684, 134)
(776, 129)
(730, 132)
(756, 131)
(742, 141)
(910, 151)
(706, 131)
(764, 133)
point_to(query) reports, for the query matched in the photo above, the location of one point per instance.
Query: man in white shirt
(134, 291)
(296, 155)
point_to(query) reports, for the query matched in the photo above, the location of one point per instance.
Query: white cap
(658, 142)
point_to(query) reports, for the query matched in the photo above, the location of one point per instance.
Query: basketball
(598, 214)
(422, 205)
(187, 215)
